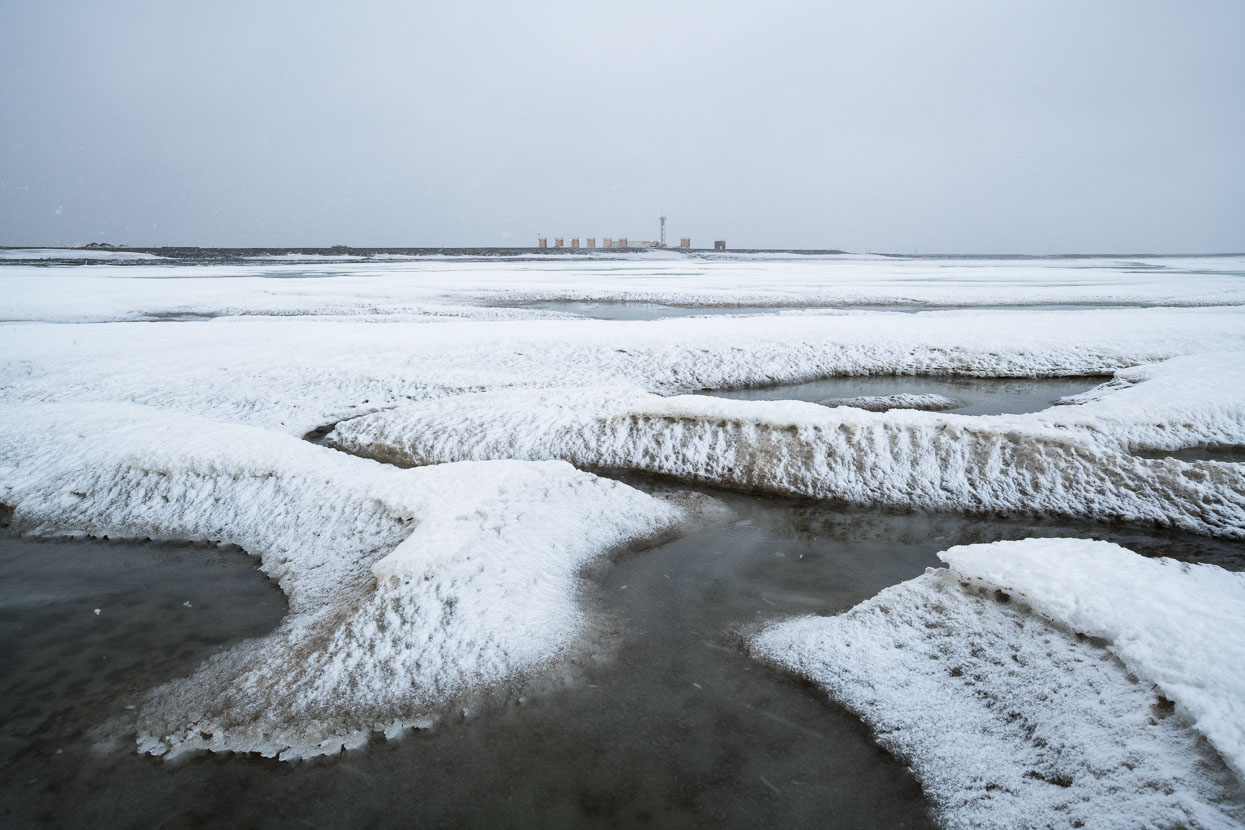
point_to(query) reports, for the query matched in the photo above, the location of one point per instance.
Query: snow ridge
(407, 588)
(1061, 462)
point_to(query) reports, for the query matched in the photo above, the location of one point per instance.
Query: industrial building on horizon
(590, 243)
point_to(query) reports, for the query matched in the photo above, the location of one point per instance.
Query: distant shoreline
(189, 254)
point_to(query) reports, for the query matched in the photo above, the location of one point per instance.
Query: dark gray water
(978, 396)
(671, 727)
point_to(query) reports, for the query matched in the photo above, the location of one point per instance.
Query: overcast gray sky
(1043, 127)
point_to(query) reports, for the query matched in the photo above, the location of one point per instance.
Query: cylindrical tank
(592, 242)
(557, 242)
(685, 242)
(622, 243)
(541, 242)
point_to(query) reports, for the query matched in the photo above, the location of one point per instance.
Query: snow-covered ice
(1066, 461)
(1012, 715)
(167, 400)
(376, 287)
(882, 403)
(1179, 626)
(296, 374)
(407, 588)
(75, 254)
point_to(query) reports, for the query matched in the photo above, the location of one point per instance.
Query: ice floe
(1066, 461)
(407, 588)
(998, 681)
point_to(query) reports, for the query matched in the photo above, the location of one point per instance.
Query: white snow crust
(882, 403)
(409, 286)
(74, 254)
(296, 374)
(1012, 719)
(407, 588)
(1066, 461)
(1186, 635)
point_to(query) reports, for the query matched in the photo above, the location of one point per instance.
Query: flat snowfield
(422, 453)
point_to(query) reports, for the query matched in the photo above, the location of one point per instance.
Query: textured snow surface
(882, 403)
(1010, 720)
(384, 287)
(74, 254)
(1180, 626)
(298, 374)
(407, 588)
(1066, 461)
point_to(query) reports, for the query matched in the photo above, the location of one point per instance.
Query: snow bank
(882, 403)
(1062, 462)
(1187, 636)
(1011, 721)
(407, 588)
(81, 254)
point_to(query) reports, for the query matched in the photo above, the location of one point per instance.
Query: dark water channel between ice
(977, 396)
(672, 727)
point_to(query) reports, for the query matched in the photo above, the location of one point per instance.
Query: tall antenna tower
(663, 230)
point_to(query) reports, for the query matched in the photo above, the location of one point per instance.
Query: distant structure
(623, 241)
(719, 245)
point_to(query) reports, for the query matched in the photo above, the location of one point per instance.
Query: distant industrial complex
(622, 242)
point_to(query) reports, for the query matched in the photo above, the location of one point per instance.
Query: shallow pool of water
(671, 725)
(977, 396)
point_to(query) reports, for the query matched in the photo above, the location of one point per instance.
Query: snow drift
(1067, 461)
(1011, 717)
(406, 588)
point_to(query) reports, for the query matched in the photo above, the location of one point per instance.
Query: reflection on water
(669, 725)
(977, 396)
